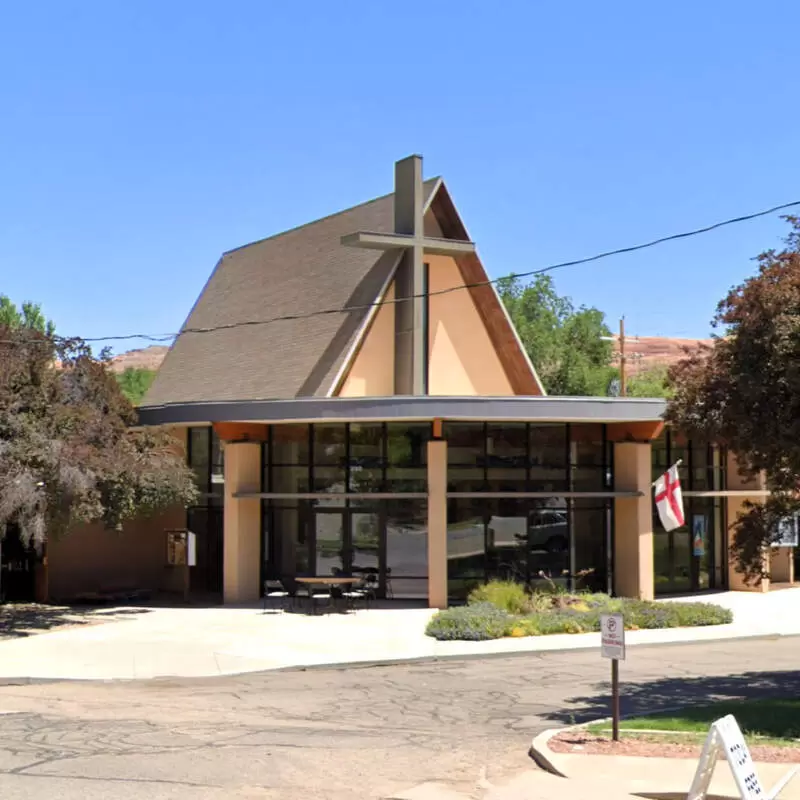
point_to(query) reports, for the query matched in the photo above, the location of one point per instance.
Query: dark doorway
(17, 569)
(206, 522)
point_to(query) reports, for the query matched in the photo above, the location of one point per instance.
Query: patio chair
(318, 597)
(275, 594)
(355, 593)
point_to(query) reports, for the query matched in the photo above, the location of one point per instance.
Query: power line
(165, 337)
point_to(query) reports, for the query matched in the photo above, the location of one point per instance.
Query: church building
(352, 395)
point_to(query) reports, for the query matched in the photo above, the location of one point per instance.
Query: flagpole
(676, 464)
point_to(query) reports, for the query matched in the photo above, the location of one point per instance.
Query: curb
(541, 753)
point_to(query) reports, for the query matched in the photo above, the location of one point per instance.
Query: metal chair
(275, 593)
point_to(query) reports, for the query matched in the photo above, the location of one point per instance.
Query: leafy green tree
(567, 345)
(653, 382)
(134, 382)
(68, 451)
(744, 390)
(29, 316)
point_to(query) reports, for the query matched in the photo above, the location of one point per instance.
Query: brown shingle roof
(300, 271)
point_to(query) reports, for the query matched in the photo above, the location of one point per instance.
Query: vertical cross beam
(410, 362)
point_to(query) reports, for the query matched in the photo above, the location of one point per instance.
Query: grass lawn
(776, 720)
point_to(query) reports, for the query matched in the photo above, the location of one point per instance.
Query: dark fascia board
(319, 409)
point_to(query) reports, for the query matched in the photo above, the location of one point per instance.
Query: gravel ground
(654, 745)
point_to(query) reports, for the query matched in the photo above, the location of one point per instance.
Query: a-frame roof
(226, 351)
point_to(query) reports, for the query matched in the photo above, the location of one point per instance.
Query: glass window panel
(659, 455)
(292, 537)
(199, 457)
(407, 547)
(329, 479)
(507, 480)
(365, 529)
(548, 479)
(217, 465)
(466, 443)
(590, 539)
(289, 444)
(330, 444)
(702, 467)
(411, 479)
(329, 542)
(507, 445)
(588, 479)
(587, 447)
(548, 445)
(289, 480)
(407, 444)
(466, 546)
(662, 563)
(363, 479)
(366, 445)
(548, 543)
(465, 479)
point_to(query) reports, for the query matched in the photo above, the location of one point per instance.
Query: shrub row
(482, 620)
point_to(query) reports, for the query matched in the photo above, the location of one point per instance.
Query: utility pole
(622, 377)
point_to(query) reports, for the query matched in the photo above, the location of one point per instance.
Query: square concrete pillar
(437, 524)
(737, 482)
(633, 521)
(242, 523)
(781, 565)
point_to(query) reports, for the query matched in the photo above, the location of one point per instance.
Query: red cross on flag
(669, 500)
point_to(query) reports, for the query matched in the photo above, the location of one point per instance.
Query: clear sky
(141, 139)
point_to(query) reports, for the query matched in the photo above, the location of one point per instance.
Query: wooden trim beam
(241, 431)
(634, 431)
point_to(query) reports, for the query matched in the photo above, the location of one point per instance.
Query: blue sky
(140, 140)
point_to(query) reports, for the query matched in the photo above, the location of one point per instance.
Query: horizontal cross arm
(392, 241)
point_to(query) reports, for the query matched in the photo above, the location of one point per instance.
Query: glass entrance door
(348, 541)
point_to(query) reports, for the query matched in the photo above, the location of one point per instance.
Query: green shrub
(506, 595)
(473, 623)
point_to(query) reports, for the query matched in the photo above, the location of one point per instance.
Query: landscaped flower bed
(502, 608)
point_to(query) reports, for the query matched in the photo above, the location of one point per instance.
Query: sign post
(612, 645)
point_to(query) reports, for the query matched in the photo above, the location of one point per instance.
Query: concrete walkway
(196, 642)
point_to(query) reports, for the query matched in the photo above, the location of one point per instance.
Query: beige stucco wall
(242, 543)
(91, 559)
(437, 524)
(734, 507)
(463, 360)
(372, 373)
(633, 522)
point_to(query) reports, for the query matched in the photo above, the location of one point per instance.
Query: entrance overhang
(631, 411)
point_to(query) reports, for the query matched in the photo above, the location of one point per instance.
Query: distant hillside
(146, 358)
(645, 352)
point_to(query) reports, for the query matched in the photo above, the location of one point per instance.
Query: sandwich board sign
(725, 739)
(612, 636)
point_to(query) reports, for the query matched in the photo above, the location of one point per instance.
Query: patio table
(330, 581)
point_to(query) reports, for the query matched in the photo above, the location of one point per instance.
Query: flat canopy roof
(379, 409)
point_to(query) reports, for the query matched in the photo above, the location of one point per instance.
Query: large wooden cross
(410, 286)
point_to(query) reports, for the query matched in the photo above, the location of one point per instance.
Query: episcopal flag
(669, 500)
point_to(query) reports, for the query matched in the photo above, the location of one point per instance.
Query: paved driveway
(350, 733)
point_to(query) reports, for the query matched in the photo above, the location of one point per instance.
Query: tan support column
(437, 524)
(242, 533)
(633, 521)
(734, 507)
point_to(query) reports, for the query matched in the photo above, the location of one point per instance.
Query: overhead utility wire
(348, 309)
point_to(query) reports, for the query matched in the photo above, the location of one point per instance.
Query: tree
(652, 382)
(29, 316)
(744, 390)
(134, 382)
(565, 344)
(68, 453)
